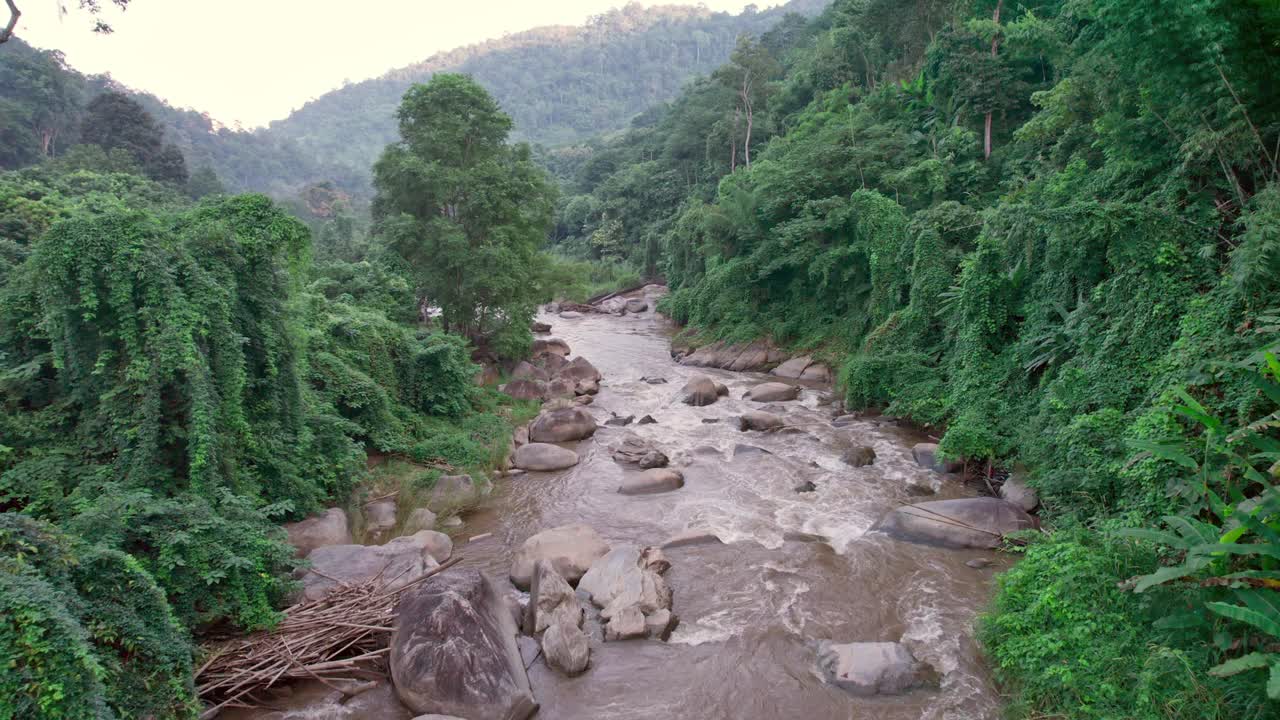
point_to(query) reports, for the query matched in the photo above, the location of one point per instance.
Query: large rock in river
(858, 456)
(965, 522)
(549, 346)
(454, 651)
(328, 528)
(544, 457)
(551, 600)
(699, 391)
(759, 420)
(773, 392)
(871, 668)
(525, 389)
(400, 561)
(655, 480)
(580, 370)
(528, 371)
(566, 648)
(570, 549)
(563, 424)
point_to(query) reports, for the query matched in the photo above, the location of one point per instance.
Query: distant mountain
(559, 83)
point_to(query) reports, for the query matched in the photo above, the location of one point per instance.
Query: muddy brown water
(794, 569)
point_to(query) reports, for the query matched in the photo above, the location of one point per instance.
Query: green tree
(464, 210)
(114, 121)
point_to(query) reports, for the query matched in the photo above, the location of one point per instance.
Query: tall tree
(464, 210)
(748, 73)
(117, 121)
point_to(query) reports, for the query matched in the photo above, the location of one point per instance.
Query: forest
(1046, 230)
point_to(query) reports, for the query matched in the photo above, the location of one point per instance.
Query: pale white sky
(253, 61)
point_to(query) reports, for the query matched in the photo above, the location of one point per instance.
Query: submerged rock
(966, 522)
(637, 305)
(773, 392)
(759, 420)
(858, 456)
(699, 391)
(544, 457)
(806, 487)
(871, 668)
(454, 650)
(656, 480)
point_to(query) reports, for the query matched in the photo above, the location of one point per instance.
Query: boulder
(722, 390)
(858, 456)
(699, 391)
(634, 449)
(965, 522)
(652, 459)
(637, 305)
(659, 624)
(420, 519)
(759, 420)
(793, 368)
(817, 372)
(544, 457)
(397, 563)
(805, 487)
(584, 400)
(871, 668)
(654, 480)
(570, 314)
(926, 456)
(551, 601)
(571, 550)
(562, 425)
(773, 392)
(1016, 490)
(328, 528)
(623, 579)
(586, 387)
(454, 650)
(647, 420)
(566, 648)
(452, 492)
(549, 346)
(436, 544)
(540, 327)
(521, 436)
(580, 369)
(979, 563)
(561, 388)
(614, 305)
(528, 371)
(619, 421)
(551, 362)
(379, 519)
(654, 380)
(627, 624)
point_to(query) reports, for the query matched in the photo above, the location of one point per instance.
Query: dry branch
(344, 634)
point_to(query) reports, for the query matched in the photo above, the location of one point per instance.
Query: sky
(249, 62)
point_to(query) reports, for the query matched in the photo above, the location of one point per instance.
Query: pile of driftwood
(579, 307)
(343, 636)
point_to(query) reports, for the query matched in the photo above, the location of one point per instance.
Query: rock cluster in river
(550, 374)
(871, 668)
(628, 587)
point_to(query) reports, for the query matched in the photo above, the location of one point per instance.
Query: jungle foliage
(177, 378)
(1035, 226)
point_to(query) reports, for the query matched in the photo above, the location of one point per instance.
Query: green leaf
(1165, 574)
(1193, 529)
(1269, 624)
(1237, 549)
(1273, 682)
(1252, 661)
(1166, 451)
(1181, 621)
(1156, 536)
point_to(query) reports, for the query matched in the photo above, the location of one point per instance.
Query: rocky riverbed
(697, 544)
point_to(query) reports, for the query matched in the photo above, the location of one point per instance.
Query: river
(794, 568)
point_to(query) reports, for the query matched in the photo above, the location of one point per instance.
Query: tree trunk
(995, 47)
(746, 106)
(733, 142)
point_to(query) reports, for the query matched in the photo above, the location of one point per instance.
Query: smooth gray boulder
(773, 392)
(627, 624)
(722, 390)
(328, 528)
(759, 420)
(926, 456)
(692, 537)
(871, 668)
(858, 456)
(420, 519)
(452, 492)
(699, 391)
(792, 369)
(1016, 490)
(561, 388)
(566, 648)
(659, 624)
(634, 449)
(379, 519)
(586, 387)
(637, 305)
(551, 600)
(454, 650)
(571, 550)
(570, 314)
(396, 564)
(544, 457)
(651, 481)
(436, 544)
(627, 577)
(966, 522)
(562, 425)
(816, 372)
